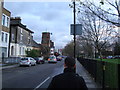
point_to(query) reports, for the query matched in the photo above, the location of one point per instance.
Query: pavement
(87, 77)
(80, 70)
(5, 67)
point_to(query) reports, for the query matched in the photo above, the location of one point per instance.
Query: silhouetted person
(68, 79)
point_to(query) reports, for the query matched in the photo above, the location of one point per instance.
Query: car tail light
(48, 59)
(54, 59)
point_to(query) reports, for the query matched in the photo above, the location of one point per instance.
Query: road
(39, 76)
(33, 77)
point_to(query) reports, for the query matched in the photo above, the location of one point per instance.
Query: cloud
(44, 16)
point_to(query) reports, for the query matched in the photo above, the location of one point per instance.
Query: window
(6, 37)
(20, 50)
(21, 30)
(13, 37)
(3, 20)
(2, 36)
(7, 21)
(12, 50)
(28, 40)
(23, 51)
(21, 37)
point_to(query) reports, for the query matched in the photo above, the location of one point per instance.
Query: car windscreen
(36, 58)
(52, 57)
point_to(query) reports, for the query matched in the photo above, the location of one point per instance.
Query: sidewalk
(88, 79)
(11, 66)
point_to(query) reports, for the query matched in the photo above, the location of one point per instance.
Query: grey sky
(54, 17)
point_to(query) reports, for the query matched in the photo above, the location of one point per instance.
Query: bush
(33, 53)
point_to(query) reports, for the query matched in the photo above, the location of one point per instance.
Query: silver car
(52, 59)
(28, 61)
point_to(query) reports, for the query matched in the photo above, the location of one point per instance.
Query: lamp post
(74, 14)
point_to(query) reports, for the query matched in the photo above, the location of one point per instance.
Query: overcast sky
(53, 17)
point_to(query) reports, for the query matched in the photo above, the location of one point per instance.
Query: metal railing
(11, 60)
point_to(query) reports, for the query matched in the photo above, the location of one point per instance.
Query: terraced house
(4, 31)
(0, 29)
(20, 38)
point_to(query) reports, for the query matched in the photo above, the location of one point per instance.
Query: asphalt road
(33, 77)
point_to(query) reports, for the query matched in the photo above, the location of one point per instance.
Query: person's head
(69, 62)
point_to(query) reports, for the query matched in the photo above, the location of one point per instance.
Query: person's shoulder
(58, 76)
(78, 76)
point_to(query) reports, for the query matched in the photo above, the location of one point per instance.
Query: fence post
(118, 76)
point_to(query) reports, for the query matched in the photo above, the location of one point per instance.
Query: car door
(34, 61)
(31, 60)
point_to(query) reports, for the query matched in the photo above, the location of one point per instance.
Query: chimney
(16, 19)
(2, 2)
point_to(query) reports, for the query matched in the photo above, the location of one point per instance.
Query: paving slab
(91, 84)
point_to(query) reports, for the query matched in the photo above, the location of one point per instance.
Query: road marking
(42, 83)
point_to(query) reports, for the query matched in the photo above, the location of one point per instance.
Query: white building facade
(4, 32)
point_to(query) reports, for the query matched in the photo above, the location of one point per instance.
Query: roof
(35, 44)
(22, 26)
(17, 22)
(46, 32)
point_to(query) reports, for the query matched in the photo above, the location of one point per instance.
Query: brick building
(47, 44)
(46, 39)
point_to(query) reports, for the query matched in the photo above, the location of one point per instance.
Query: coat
(68, 79)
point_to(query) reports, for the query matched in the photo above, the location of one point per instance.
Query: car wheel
(20, 65)
(34, 64)
(29, 65)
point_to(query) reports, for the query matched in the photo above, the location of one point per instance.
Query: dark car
(117, 57)
(39, 60)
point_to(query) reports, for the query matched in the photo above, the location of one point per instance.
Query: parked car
(109, 57)
(59, 58)
(39, 60)
(117, 57)
(27, 61)
(52, 59)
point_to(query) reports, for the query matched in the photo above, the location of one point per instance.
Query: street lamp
(74, 28)
(74, 23)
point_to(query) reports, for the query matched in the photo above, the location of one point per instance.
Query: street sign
(78, 29)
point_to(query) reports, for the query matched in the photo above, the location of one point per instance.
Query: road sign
(78, 29)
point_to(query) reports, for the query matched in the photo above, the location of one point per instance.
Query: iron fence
(111, 73)
(11, 60)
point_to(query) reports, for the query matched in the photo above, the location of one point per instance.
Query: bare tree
(107, 10)
(85, 48)
(69, 49)
(97, 32)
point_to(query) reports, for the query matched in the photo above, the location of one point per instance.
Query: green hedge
(117, 61)
(111, 73)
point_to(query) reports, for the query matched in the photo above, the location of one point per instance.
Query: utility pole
(74, 10)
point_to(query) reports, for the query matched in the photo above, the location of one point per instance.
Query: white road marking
(42, 83)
